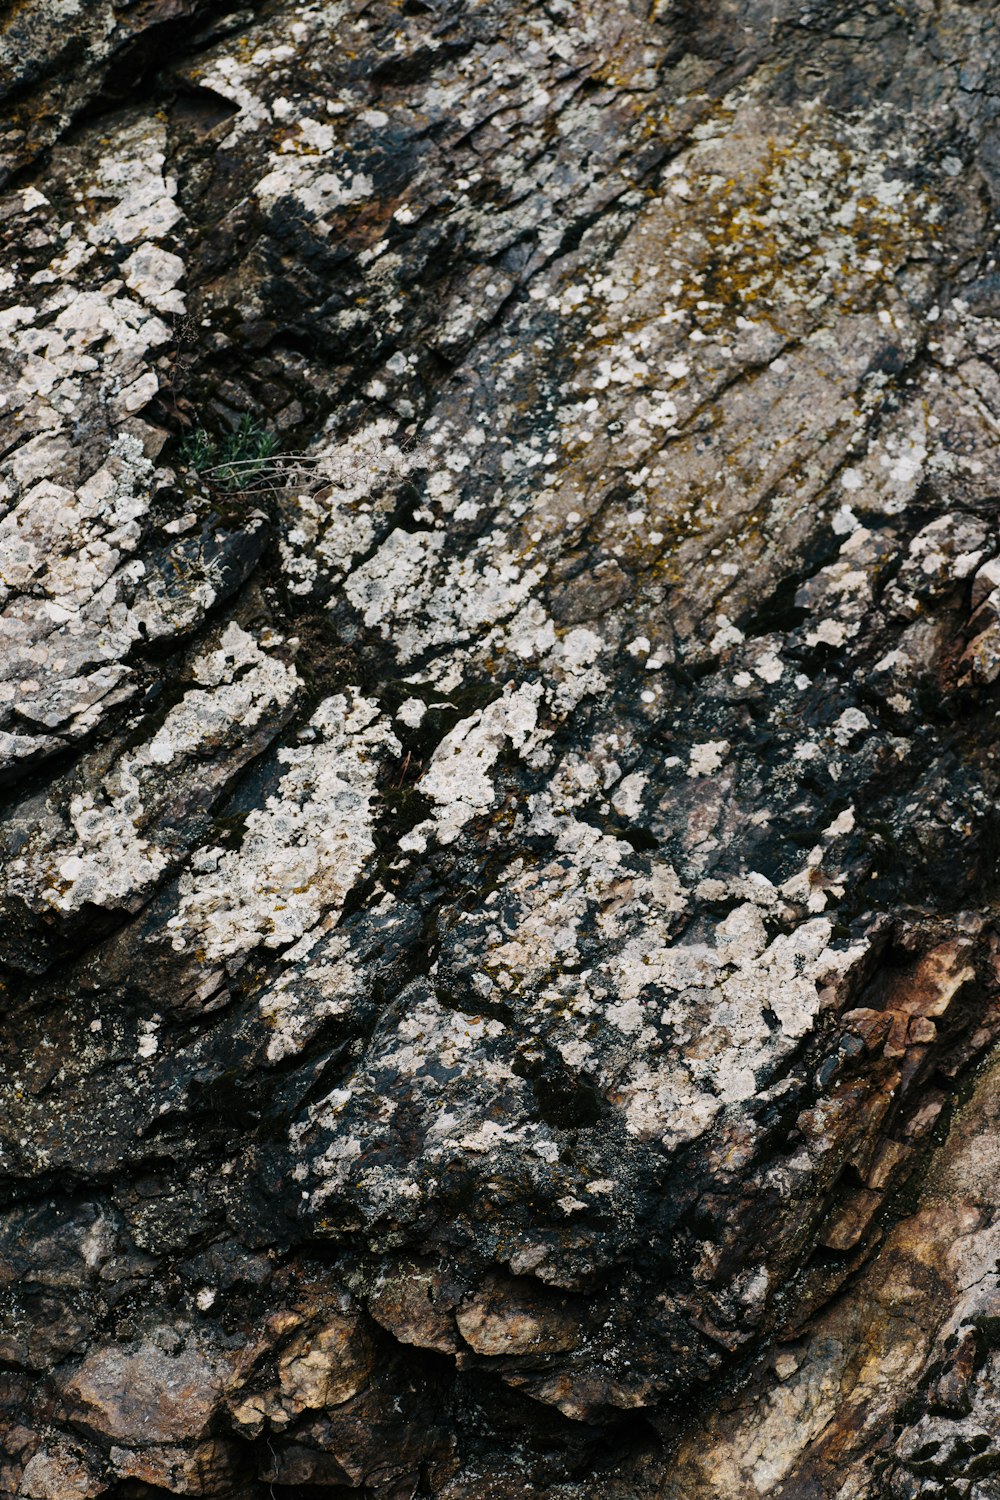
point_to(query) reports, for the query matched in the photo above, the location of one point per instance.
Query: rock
(196, 1469)
(499, 591)
(514, 1319)
(325, 1367)
(852, 1219)
(415, 1302)
(58, 1475)
(145, 1395)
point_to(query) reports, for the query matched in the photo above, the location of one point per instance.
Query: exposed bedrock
(497, 914)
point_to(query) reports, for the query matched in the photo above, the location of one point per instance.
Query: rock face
(497, 911)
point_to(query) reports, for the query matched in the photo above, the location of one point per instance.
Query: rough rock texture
(498, 938)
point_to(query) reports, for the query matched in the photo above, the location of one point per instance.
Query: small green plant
(197, 450)
(232, 462)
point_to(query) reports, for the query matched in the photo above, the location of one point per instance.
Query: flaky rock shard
(499, 660)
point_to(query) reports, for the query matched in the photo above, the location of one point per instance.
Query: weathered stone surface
(496, 911)
(508, 1318)
(148, 1394)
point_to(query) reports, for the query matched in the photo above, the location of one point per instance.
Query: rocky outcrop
(501, 626)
